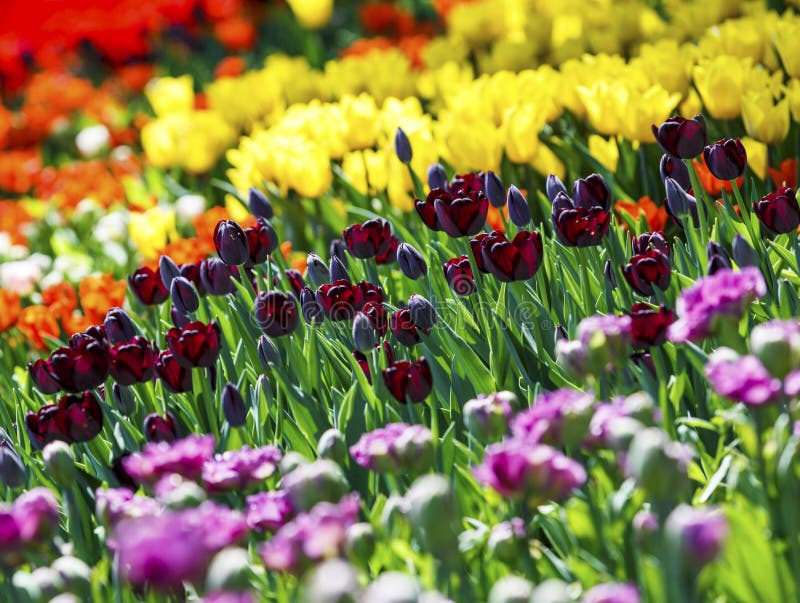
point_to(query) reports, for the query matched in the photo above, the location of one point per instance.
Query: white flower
(189, 206)
(20, 276)
(92, 141)
(112, 227)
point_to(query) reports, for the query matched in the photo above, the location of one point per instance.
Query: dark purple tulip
(648, 325)
(402, 146)
(168, 270)
(340, 300)
(680, 137)
(191, 272)
(261, 241)
(403, 328)
(363, 333)
(718, 258)
(459, 276)
(133, 362)
(268, 352)
(43, 377)
(591, 192)
(119, 326)
(514, 260)
(12, 469)
(217, 276)
(231, 243)
(743, 253)
(179, 319)
(389, 255)
(339, 250)
(123, 399)
(437, 177)
(196, 344)
(259, 204)
(648, 269)
(310, 309)
(461, 215)
(408, 381)
(518, 209)
(81, 366)
(697, 535)
(233, 406)
(554, 186)
(160, 429)
(377, 315)
(147, 286)
(276, 313)
(316, 270)
(295, 281)
(578, 226)
(726, 159)
(369, 239)
(675, 169)
(495, 191)
(476, 245)
(651, 240)
(176, 378)
(422, 312)
(74, 418)
(363, 363)
(779, 211)
(338, 272)
(679, 202)
(411, 262)
(184, 296)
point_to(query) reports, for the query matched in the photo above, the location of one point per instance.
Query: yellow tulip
(521, 132)
(151, 230)
(792, 92)
(764, 120)
(756, 156)
(721, 83)
(644, 109)
(312, 14)
(547, 163)
(469, 146)
(605, 151)
(355, 170)
(360, 115)
(171, 95)
(786, 38)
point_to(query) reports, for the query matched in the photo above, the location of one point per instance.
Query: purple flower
(269, 510)
(240, 469)
(518, 468)
(556, 418)
(612, 593)
(487, 415)
(185, 457)
(396, 447)
(229, 597)
(698, 533)
(114, 504)
(36, 514)
(310, 537)
(741, 378)
(726, 293)
(791, 385)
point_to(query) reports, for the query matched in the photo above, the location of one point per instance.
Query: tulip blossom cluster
(27, 524)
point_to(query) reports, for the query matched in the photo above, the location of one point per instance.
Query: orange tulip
(656, 215)
(9, 309)
(36, 323)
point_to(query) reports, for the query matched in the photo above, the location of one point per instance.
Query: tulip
(230, 571)
(233, 406)
(339, 250)
(495, 191)
(696, 534)
(514, 260)
(295, 281)
(363, 333)
(259, 204)
(12, 469)
(376, 313)
(461, 216)
(651, 240)
(579, 226)
(506, 540)
(74, 418)
(340, 300)
(231, 242)
(608, 273)
(147, 286)
(184, 296)
(168, 270)
(261, 241)
(59, 463)
(437, 178)
(123, 399)
(363, 363)
(717, 257)
(338, 271)
(268, 352)
(487, 416)
(369, 239)
(554, 186)
(402, 146)
(726, 159)
(777, 345)
(679, 202)
(511, 589)
(196, 344)
(176, 377)
(309, 308)
(434, 514)
(670, 167)
(765, 119)
(612, 593)
(590, 192)
(779, 211)
(388, 255)
(276, 313)
(411, 262)
(43, 377)
(133, 362)
(312, 483)
(518, 209)
(316, 270)
(646, 270)
(408, 381)
(397, 587)
(179, 319)
(743, 252)
(459, 276)
(658, 464)
(332, 446)
(422, 312)
(403, 328)
(681, 138)
(217, 276)
(81, 366)
(649, 326)
(119, 326)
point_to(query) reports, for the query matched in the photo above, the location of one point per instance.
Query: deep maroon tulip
(578, 226)
(389, 255)
(648, 269)
(494, 189)
(468, 187)
(363, 363)
(160, 429)
(261, 241)
(476, 244)
(408, 381)
(718, 258)
(680, 137)
(168, 270)
(81, 366)
(427, 210)
(191, 272)
(590, 192)
(376, 312)
(648, 325)
(259, 204)
(43, 377)
(231, 242)
(340, 300)
(184, 295)
(296, 281)
(403, 328)
(779, 211)
(726, 159)
(217, 276)
(309, 308)
(147, 286)
(179, 319)
(196, 344)
(675, 169)
(74, 418)
(133, 361)
(514, 260)
(276, 313)
(119, 326)
(123, 477)
(369, 239)
(459, 276)
(233, 406)
(461, 215)
(176, 378)
(465, 184)
(651, 240)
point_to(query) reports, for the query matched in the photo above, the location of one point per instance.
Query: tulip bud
(233, 406)
(506, 540)
(423, 314)
(658, 464)
(608, 271)
(360, 543)
(363, 333)
(176, 492)
(75, 574)
(411, 262)
(432, 511)
(554, 186)
(59, 463)
(339, 250)
(332, 446)
(414, 449)
(777, 345)
(518, 209)
(437, 177)
(551, 591)
(338, 271)
(231, 243)
(743, 253)
(268, 352)
(696, 535)
(332, 581)
(487, 416)
(316, 270)
(229, 571)
(12, 470)
(184, 295)
(394, 512)
(670, 167)
(645, 528)
(160, 429)
(402, 146)
(309, 307)
(259, 204)
(168, 270)
(494, 189)
(679, 201)
(119, 326)
(511, 589)
(396, 587)
(291, 461)
(315, 482)
(726, 159)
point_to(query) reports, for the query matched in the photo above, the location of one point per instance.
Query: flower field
(372, 302)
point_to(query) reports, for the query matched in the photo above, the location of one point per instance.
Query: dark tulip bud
(261, 241)
(408, 381)
(718, 258)
(675, 169)
(726, 159)
(233, 406)
(259, 204)
(119, 326)
(276, 313)
(363, 333)
(494, 189)
(403, 327)
(133, 361)
(679, 202)
(147, 286)
(43, 376)
(680, 137)
(743, 253)
(402, 146)
(338, 271)
(411, 262)
(339, 250)
(554, 186)
(609, 274)
(714, 248)
(191, 272)
(437, 178)
(168, 269)
(518, 209)
(459, 275)
(184, 295)
(160, 429)
(12, 469)
(422, 312)
(231, 243)
(268, 352)
(779, 211)
(176, 377)
(311, 310)
(123, 399)
(196, 344)
(316, 270)
(217, 276)
(591, 191)
(179, 319)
